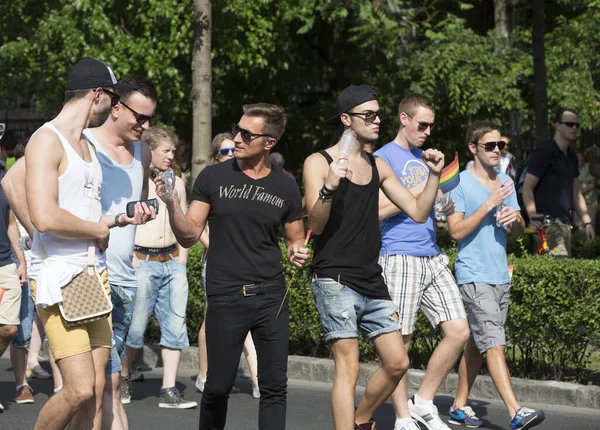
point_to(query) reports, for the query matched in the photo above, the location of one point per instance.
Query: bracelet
(117, 223)
(324, 196)
(327, 190)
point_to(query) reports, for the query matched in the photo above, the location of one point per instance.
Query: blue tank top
(121, 185)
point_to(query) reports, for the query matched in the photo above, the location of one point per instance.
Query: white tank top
(75, 194)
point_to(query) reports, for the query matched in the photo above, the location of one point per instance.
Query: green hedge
(553, 318)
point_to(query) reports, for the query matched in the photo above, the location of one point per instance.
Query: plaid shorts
(422, 282)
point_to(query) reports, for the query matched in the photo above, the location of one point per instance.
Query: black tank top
(348, 248)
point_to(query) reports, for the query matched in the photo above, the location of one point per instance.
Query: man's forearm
(461, 229)
(64, 224)
(427, 198)
(185, 232)
(581, 208)
(319, 215)
(529, 201)
(14, 190)
(14, 236)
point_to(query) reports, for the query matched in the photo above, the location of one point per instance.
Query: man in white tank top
(60, 176)
(125, 165)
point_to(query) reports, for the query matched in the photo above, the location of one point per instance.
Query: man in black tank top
(349, 291)
(246, 201)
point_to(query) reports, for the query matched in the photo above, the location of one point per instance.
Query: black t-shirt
(348, 248)
(556, 171)
(245, 221)
(5, 246)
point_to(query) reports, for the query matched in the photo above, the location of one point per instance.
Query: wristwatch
(117, 223)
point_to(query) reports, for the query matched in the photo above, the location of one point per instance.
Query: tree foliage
(301, 53)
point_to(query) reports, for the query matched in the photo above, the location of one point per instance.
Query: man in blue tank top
(125, 169)
(486, 205)
(415, 271)
(349, 291)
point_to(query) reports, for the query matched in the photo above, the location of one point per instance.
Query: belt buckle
(248, 294)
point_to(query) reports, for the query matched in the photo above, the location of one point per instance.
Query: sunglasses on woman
(489, 146)
(224, 152)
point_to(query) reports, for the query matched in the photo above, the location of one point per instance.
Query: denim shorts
(123, 299)
(162, 289)
(487, 307)
(343, 311)
(23, 336)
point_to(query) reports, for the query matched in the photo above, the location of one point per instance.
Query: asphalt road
(308, 407)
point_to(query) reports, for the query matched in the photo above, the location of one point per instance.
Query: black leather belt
(250, 290)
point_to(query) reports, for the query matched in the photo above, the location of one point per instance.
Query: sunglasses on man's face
(247, 136)
(368, 117)
(224, 152)
(140, 118)
(422, 126)
(571, 124)
(114, 97)
(489, 146)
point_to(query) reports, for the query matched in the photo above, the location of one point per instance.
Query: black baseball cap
(92, 73)
(350, 97)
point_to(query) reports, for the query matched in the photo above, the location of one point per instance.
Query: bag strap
(91, 266)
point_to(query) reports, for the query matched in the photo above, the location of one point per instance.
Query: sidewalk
(322, 370)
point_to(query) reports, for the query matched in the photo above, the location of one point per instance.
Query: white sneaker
(411, 425)
(200, 383)
(430, 419)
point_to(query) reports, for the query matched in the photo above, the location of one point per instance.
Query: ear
(403, 118)
(270, 143)
(473, 148)
(346, 119)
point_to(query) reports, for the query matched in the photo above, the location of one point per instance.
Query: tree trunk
(500, 18)
(201, 87)
(540, 83)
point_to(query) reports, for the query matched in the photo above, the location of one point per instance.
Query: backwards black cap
(350, 97)
(91, 73)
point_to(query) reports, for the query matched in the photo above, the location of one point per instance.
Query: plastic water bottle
(439, 204)
(346, 146)
(169, 178)
(499, 209)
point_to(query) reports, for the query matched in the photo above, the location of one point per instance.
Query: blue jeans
(343, 311)
(162, 289)
(27, 312)
(123, 299)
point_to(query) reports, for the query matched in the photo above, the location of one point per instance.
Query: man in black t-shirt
(246, 201)
(342, 195)
(551, 186)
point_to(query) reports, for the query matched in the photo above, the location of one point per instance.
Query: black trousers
(229, 318)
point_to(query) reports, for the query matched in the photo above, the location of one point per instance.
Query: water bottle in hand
(346, 146)
(499, 209)
(169, 178)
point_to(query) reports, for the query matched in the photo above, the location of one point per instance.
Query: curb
(323, 370)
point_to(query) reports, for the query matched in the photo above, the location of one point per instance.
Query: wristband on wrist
(587, 223)
(325, 196)
(117, 223)
(327, 190)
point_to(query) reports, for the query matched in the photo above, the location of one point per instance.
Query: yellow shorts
(65, 341)
(10, 295)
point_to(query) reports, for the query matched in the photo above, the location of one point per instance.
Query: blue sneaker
(465, 417)
(526, 418)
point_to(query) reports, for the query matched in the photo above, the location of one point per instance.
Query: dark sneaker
(24, 395)
(526, 418)
(465, 417)
(365, 426)
(173, 399)
(126, 390)
(136, 376)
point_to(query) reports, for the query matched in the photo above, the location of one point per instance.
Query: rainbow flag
(450, 178)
